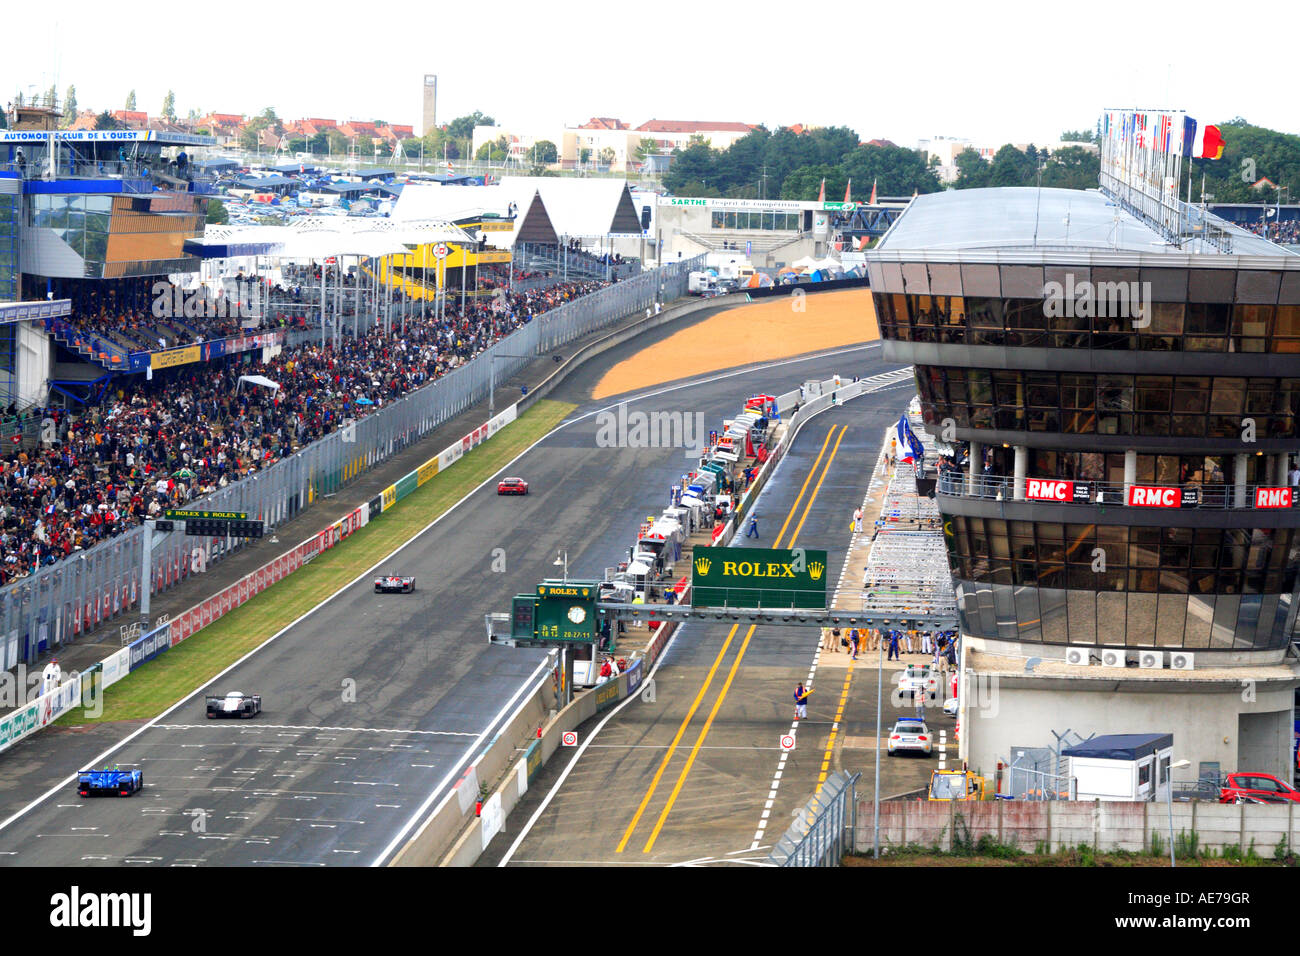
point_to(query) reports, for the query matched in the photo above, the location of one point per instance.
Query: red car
(512, 486)
(1257, 788)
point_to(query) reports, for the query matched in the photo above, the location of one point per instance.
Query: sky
(993, 72)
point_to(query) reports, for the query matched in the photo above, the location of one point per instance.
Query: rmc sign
(758, 577)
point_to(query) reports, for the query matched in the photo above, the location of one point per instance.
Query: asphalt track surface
(696, 777)
(372, 703)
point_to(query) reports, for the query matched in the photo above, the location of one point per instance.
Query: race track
(371, 702)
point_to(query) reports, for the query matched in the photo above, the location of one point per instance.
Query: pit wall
(530, 746)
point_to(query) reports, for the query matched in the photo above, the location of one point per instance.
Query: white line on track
(663, 655)
(368, 572)
(355, 730)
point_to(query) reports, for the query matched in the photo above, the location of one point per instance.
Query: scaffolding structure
(907, 569)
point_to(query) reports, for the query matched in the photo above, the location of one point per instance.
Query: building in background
(430, 111)
(1124, 539)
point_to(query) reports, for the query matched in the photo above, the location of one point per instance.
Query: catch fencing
(56, 604)
(821, 832)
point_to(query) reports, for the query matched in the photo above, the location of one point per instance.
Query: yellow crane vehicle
(957, 785)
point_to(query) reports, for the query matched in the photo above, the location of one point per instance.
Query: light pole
(880, 693)
(562, 558)
(1169, 802)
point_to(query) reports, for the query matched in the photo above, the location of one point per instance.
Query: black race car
(401, 583)
(234, 704)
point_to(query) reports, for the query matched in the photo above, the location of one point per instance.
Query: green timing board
(558, 612)
(758, 577)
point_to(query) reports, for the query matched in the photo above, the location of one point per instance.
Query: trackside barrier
(41, 712)
(117, 665)
(56, 604)
(447, 820)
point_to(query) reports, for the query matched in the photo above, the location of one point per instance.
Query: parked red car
(512, 486)
(1257, 788)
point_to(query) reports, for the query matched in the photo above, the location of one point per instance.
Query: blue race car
(110, 782)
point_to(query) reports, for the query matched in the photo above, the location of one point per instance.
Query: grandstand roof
(313, 237)
(532, 223)
(1024, 222)
(583, 207)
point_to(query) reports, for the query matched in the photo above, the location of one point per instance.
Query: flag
(848, 191)
(1189, 135)
(912, 447)
(872, 200)
(1208, 143)
(821, 193)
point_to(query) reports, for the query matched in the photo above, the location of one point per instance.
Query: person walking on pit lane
(854, 638)
(893, 646)
(752, 530)
(857, 519)
(801, 702)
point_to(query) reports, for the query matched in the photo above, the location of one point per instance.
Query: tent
(257, 380)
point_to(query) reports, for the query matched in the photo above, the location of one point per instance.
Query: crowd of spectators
(156, 444)
(1286, 233)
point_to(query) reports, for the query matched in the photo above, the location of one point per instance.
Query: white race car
(234, 704)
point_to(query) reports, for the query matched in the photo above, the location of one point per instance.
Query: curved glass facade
(1116, 581)
(1184, 406)
(1133, 586)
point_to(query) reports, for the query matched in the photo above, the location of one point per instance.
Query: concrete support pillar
(1130, 470)
(1278, 470)
(1239, 480)
(1021, 465)
(975, 468)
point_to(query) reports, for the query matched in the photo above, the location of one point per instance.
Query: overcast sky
(995, 72)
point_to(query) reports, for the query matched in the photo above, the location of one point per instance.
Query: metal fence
(57, 603)
(1217, 497)
(820, 833)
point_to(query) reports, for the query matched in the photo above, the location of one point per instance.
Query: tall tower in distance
(430, 102)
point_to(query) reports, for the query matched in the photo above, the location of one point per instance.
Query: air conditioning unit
(1078, 655)
(1182, 661)
(1112, 658)
(1151, 659)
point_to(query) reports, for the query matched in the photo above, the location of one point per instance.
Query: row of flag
(848, 192)
(1160, 132)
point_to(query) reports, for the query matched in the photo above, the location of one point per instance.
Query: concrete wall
(1205, 725)
(1103, 826)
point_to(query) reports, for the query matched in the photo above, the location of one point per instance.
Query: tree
(1011, 167)
(217, 215)
(805, 182)
(439, 142)
(105, 121)
(545, 152)
(318, 145)
(169, 107)
(896, 171)
(130, 100)
(1078, 136)
(607, 156)
(697, 163)
(296, 145)
(336, 143)
(1072, 167)
(250, 135)
(972, 170)
(462, 127)
(51, 97)
(365, 145)
(584, 155)
(645, 149)
(70, 106)
(494, 152)
(270, 116)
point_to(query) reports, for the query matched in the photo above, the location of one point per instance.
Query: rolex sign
(758, 577)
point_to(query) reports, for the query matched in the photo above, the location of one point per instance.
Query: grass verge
(173, 676)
